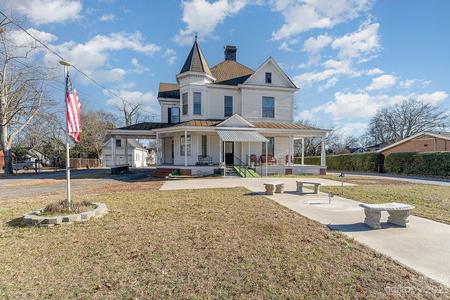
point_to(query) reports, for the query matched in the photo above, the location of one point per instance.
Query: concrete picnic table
(271, 185)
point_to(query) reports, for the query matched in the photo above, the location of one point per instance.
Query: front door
(229, 153)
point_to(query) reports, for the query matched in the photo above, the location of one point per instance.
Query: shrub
(431, 164)
(362, 162)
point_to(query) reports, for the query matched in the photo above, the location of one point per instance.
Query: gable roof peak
(196, 62)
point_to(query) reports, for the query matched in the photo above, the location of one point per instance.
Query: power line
(73, 66)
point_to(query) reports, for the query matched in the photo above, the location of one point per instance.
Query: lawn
(217, 243)
(430, 201)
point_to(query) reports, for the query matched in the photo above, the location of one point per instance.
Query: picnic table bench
(398, 213)
(278, 186)
(300, 185)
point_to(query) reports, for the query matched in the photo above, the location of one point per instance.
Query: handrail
(242, 164)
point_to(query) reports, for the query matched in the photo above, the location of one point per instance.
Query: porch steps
(162, 172)
(230, 171)
(241, 171)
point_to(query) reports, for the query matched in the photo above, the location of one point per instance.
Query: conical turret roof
(195, 61)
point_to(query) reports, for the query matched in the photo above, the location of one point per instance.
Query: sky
(348, 57)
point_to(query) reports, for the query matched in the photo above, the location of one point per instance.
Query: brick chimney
(230, 52)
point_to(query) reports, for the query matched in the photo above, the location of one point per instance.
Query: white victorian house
(225, 117)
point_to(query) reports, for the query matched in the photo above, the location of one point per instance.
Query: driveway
(423, 246)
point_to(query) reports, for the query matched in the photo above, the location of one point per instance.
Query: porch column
(113, 150)
(224, 160)
(157, 150)
(266, 156)
(303, 151)
(322, 152)
(126, 151)
(220, 151)
(185, 148)
(248, 154)
(290, 151)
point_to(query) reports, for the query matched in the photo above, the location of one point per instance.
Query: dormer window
(268, 77)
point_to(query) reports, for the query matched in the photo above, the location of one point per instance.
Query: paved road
(423, 246)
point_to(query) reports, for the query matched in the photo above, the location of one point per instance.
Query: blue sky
(349, 57)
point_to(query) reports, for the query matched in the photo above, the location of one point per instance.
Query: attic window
(118, 143)
(268, 77)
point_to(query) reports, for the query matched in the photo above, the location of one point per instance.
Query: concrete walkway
(424, 246)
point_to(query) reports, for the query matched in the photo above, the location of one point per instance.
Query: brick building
(421, 142)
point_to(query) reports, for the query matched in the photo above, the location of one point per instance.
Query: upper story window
(173, 115)
(118, 143)
(268, 107)
(185, 103)
(268, 77)
(228, 106)
(197, 103)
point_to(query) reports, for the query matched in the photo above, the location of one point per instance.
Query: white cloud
(375, 71)
(361, 43)
(314, 45)
(332, 68)
(202, 17)
(348, 105)
(92, 56)
(138, 68)
(352, 129)
(148, 100)
(171, 56)
(301, 16)
(21, 39)
(47, 11)
(108, 17)
(382, 82)
(111, 75)
(432, 98)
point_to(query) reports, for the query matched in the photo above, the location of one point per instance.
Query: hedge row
(362, 162)
(432, 164)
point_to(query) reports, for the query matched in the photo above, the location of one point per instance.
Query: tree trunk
(8, 166)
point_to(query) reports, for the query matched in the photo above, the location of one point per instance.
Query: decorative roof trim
(277, 67)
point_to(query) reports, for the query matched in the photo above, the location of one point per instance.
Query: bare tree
(401, 120)
(133, 113)
(312, 144)
(95, 125)
(22, 92)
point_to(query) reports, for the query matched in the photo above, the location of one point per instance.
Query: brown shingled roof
(230, 72)
(169, 90)
(210, 122)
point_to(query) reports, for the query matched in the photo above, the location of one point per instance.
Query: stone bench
(300, 185)
(278, 186)
(398, 213)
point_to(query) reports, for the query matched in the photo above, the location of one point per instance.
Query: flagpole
(69, 200)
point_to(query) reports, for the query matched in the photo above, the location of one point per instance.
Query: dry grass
(430, 201)
(218, 243)
(61, 207)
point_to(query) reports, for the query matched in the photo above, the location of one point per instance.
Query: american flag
(73, 111)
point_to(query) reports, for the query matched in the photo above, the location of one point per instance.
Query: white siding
(252, 104)
(259, 78)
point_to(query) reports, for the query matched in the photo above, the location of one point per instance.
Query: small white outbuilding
(137, 154)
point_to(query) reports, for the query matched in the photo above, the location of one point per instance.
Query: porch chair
(269, 158)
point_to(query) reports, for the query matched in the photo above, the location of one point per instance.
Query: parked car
(23, 165)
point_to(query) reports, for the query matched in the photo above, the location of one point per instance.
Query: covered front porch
(217, 151)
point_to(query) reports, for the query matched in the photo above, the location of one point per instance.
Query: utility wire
(73, 66)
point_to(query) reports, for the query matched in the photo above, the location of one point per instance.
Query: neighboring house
(226, 115)
(127, 152)
(421, 142)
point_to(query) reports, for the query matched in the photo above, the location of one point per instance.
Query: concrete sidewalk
(424, 246)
